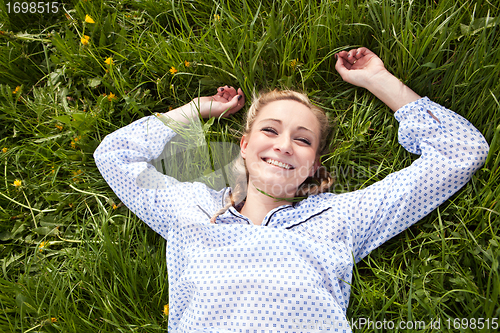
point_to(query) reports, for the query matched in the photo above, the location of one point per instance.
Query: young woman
(244, 261)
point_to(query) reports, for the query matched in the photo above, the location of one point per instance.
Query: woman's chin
(277, 189)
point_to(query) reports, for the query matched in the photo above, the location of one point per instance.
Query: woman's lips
(278, 163)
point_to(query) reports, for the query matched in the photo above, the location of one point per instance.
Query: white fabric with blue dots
(293, 271)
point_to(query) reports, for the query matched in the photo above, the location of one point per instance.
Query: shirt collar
(308, 207)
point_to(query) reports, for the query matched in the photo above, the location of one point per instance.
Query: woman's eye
(270, 130)
(273, 131)
(307, 142)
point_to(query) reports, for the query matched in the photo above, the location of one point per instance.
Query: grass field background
(74, 259)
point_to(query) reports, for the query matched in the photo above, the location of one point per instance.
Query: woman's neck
(257, 205)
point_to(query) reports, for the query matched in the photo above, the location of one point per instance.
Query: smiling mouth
(278, 163)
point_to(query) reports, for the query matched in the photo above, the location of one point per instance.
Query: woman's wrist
(390, 90)
(184, 114)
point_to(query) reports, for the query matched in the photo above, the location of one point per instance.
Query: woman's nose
(284, 145)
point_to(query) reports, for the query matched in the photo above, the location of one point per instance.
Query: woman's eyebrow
(280, 122)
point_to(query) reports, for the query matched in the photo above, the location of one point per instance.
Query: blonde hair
(320, 182)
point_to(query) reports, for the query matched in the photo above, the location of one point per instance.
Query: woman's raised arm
(364, 68)
(451, 150)
(125, 158)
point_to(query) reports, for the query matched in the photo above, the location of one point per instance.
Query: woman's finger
(351, 56)
(361, 52)
(342, 65)
(223, 91)
(241, 100)
(229, 92)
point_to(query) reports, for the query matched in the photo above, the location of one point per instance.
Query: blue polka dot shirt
(296, 268)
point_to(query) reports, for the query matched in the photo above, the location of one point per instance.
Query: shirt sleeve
(451, 150)
(124, 159)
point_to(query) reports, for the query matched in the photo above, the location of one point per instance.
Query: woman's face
(280, 151)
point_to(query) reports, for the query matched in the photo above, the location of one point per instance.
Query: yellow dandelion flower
(75, 178)
(59, 127)
(170, 108)
(17, 183)
(172, 70)
(70, 205)
(111, 97)
(15, 91)
(187, 63)
(53, 320)
(293, 63)
(73, 144)
(115, 206)
(217, 17)
(42, 246)
(89, 19)
(85, 40)
(109, 61)
(4, 149)
(165, 309)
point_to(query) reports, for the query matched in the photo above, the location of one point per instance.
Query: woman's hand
(225, 102)
(363, 68)
(360, 66)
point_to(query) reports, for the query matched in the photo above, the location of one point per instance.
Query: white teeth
(278, 163)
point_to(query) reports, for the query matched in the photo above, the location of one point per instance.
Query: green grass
(70, 251)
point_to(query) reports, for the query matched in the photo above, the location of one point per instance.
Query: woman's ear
(243, 146)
